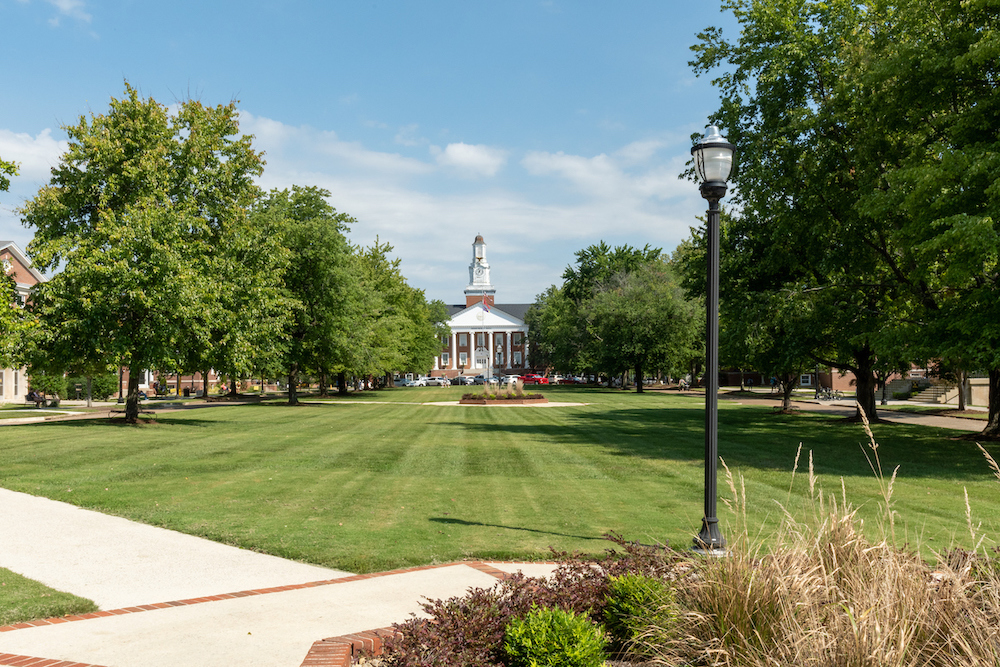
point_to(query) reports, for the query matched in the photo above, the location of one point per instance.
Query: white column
(524, 354)
(454, 350)
(489, 347)
(507, 360)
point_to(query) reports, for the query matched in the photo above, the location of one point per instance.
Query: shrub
(101, 386)
(549, 637)
(639, 607)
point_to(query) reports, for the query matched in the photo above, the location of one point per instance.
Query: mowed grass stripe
(366, 487)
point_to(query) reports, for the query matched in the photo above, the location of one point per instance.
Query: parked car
(532, 378)
(509, 380)
(406, 382)
(464, 379)
(419, 382)
(482, 379)
(438, 382)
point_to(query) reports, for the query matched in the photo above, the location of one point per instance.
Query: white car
(438, 382)
(419, 382)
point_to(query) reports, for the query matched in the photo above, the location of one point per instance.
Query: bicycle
(830, 394)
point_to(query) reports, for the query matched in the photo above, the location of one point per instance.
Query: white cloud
(72, 8)
(35, 155)
(474, 159)
(599, 176)
(308, 148)
(532, 226)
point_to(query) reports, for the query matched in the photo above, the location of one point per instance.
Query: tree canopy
(865, 186)
(618, 310)
(137, 215)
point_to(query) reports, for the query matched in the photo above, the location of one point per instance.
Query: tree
(321, 283)
(134, 213)
(787, 105)
(641, 321)
(617, 310)
(405, 332)
(6, 169)
(865, 150)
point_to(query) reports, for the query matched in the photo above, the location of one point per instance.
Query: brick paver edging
(326, 646)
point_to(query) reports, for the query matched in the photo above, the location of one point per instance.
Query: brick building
(487, 338)
(13, 262)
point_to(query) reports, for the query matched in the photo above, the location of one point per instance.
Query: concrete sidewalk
(170, 599)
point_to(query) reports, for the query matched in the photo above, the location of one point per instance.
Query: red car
(534, 379)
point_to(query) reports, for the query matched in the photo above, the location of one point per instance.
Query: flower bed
(502, 398)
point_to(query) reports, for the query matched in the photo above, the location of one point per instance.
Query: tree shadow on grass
(118, 422)
(755, 437)
(462, 522)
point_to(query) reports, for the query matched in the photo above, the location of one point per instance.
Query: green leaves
(147, 216)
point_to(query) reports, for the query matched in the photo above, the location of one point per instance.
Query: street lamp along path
(713, 162)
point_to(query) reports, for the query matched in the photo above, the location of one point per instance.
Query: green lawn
(371, 486)
(24, 599)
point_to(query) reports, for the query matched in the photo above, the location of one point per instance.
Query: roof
(14, 250)
(518, 310)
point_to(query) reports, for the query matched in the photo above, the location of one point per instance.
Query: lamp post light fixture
(713, 162)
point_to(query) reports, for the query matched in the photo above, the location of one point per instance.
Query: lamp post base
(710, 540)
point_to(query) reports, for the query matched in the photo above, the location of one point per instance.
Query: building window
(480, 339)
(499, 339)
(444, 358)
(463, 339)
(463, 358)
(517, 359)
(499, 357)
(517, 338)
(805, 381)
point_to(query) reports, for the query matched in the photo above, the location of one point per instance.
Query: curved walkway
(173, 600)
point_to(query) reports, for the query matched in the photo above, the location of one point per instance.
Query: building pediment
(477, 317)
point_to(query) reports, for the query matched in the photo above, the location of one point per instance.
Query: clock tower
(479, 287)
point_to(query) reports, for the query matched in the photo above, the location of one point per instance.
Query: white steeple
(479, 274)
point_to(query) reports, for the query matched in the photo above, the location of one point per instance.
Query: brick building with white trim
(487, 338)
(13, 262)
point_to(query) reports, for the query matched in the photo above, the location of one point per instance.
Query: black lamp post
(713, 161)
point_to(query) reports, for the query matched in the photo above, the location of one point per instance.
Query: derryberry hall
(487, 338)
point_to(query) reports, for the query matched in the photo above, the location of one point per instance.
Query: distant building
(486, 337)
(13, 262)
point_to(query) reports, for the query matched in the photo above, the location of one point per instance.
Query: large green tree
(786, 105)
(404, 330)
(640, 321)
(618, 309)
(135, 212)
(322, 283)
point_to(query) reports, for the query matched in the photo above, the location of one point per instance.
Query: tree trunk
(342, 383)
(787, 387)
(322, 384)
(865, 390)
(204, 384)
(132, 400)
(390, 382)
(293, 384)
(233, 391)
(638, 378)
(993, 425)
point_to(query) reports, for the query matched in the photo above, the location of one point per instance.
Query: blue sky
(545, 126)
